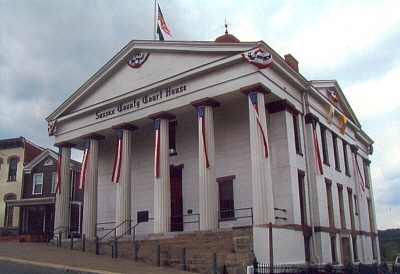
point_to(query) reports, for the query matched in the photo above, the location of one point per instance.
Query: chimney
(289, 59)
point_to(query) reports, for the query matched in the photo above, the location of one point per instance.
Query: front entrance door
(35, 222)
(176, 198)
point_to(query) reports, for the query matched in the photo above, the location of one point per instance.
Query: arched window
(49, 162)
(12, 169)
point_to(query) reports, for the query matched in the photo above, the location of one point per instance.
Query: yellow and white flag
(331, 113)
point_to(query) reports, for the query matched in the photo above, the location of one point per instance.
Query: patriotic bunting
(157, 148)
(138, 60)
(332, 94)
(254, 101)
(331, 114)
(51, 128)
(202, 111)
(344, 124)
(258, 57)
(316, 146)
(58, 188)
(163, 25)
(118, 158)
(82, 175)
(362, 182)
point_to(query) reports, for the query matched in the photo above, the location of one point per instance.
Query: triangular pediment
(166, 62)
(331, 91)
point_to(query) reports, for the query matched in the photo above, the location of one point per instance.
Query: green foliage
(389, 242)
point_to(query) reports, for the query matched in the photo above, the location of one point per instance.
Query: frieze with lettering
(137, 103)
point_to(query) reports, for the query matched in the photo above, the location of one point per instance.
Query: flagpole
(155, 20)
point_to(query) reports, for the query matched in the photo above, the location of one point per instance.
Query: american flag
(118, 158)
(254, 101)
(362, 182)
(157, 148)
(82, 175)
(202, 118)
(316, 145)
(162, 21)
(58, 188)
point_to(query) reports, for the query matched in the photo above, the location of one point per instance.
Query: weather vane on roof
(226, 26)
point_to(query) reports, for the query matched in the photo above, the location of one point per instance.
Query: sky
(49, 48)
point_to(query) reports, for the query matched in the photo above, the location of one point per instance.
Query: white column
(208, 187)
(162, 191)
(263, 203)
(123, 207)
(90, 193)
(62, 207)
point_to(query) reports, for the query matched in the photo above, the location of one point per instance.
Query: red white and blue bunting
(258, 57)
(138, 60)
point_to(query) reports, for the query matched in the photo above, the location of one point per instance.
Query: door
(35, 222)
(176, 199)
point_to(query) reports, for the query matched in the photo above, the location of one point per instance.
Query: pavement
(73, 261)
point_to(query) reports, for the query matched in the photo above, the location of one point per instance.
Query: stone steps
(233, 247)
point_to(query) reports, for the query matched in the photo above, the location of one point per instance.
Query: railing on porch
(235, 214)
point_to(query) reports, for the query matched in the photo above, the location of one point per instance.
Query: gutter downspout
(314, 248)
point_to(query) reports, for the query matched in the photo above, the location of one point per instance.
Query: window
(355, 248)
(302, 196)
(329, 202)
(333, 249)
(296, 130)
(341, 207)
(351, 207)
(49, 162)
(226, 198)
(10, 209)
(346, 158)
(324, 145)
(366, 172)
(37, 183)
(355, 204)
(54, 182)
(1, 163)
(336, 152)
(172, 140)
(12, 171)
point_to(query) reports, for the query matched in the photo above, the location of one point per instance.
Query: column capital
(282, 105)
(258, 87)
(93, 136)
(162, 115)
(205, 102)
(126, 126)
(310, 117)
(65, 144)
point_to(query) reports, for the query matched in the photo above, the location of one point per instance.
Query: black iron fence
(260, 268)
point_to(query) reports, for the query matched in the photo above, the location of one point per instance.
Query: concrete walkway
(48, 255)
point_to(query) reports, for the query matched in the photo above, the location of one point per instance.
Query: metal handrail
(236, 217)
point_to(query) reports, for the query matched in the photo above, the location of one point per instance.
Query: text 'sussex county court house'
(208, 136)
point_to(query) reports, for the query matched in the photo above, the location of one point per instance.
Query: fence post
(255, 266)
(83, 242)
(215, 267)
(115, 248)
(158, 255)
(135, 251)
(72, 242)
(184, 259)
(97, 245)
(59, 238)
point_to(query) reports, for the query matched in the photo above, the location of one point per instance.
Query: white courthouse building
(215, 135)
